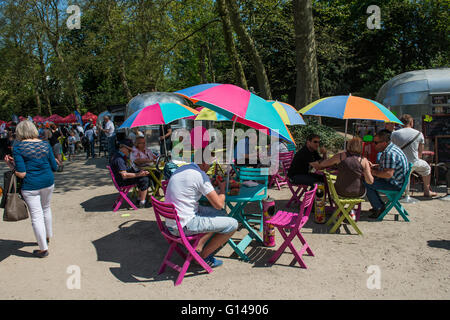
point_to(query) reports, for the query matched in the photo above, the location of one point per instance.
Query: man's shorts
(208, 219)
(422, 168)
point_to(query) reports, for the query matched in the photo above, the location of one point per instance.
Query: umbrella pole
(345, 135)
(165, 147)
(229, 157)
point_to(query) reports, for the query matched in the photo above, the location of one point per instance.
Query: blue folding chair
(255, 174)
(394, 197)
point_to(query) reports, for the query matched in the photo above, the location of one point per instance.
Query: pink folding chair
(296, 190)
(294, 222)
(280, 178)
(168, 211)
(123, 193)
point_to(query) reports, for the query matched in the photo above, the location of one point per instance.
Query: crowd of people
(35, 152)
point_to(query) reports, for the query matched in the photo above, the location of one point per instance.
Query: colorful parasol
(288, 113)
(349, 107)
(238, 105)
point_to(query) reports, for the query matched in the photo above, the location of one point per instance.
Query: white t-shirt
(186, 186)
(402, 137)
(109, 127)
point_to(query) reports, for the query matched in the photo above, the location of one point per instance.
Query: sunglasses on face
(315, 141)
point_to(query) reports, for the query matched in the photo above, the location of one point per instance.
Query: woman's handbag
(16, 208)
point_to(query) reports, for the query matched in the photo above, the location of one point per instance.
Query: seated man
(389, 173)
(125, 175)
(299, 172)
(412, 142)
(186, 186)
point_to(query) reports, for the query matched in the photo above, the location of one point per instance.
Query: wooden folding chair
(294, 222)
(394, 197)
(123, 193)
(341, 204)
(168, 211)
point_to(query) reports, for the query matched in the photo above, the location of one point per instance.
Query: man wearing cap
(186, 187)
(125, 175)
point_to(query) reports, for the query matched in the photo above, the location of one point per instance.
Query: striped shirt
(394, 158)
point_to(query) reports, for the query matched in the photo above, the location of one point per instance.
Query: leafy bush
(329, 138)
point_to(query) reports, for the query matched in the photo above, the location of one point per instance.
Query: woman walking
(34, 162)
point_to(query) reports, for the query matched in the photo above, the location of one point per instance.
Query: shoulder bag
(16, 208)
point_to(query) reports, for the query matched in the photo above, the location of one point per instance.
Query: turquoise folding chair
(255, 174)
(394, 197)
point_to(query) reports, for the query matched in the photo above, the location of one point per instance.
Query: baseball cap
(127, 143)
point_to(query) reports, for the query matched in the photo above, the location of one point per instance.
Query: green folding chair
(394, 197)
(344, 205)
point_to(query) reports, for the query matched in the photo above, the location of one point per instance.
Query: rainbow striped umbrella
(238, 105)
(288, 113)
(158, 113)
(349, 107)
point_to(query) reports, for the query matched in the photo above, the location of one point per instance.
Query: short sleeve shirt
(110, 127)
(119, 163)
(186, 186)
(394, 158)
(403, 136)
(301, 161)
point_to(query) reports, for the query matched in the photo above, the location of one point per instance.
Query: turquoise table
(236, 204)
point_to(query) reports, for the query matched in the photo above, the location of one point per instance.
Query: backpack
(84, 141)
(169, 169)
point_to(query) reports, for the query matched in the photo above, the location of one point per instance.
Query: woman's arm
(326, 163)
(368, 177)
(21, 170)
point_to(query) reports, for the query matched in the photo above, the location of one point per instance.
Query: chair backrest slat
(307, 204)
(113, 177)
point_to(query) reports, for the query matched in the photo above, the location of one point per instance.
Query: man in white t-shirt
(411, 141)
(110, 135)
(186, 186)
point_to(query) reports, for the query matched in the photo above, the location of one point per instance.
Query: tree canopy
(127, 47)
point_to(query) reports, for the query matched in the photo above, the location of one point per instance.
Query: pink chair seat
(294, 222)
(176, 243)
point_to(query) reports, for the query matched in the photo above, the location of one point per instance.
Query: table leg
(240, 247)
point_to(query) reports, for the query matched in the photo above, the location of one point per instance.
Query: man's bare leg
(427, 188)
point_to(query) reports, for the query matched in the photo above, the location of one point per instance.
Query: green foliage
(329, 138)
(168, 45)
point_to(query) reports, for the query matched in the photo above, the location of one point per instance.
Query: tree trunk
(307, 75)
(45, 90)
(247, 41)
(238, 70)
(202, 64)
(212, 74)
(123, 78)
(38, 100)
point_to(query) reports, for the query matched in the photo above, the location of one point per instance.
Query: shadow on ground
(139, 249)
(104, 203)
(440, 244)
(12, 248)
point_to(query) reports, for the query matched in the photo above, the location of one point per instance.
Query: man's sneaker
(213, 262)
(141, 205)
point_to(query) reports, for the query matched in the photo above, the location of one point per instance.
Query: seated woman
(352, 168)
(141, 156)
